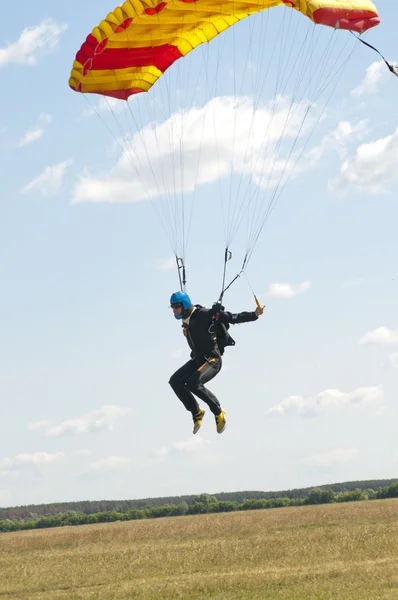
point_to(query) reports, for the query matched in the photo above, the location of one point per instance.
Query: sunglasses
(176, 305)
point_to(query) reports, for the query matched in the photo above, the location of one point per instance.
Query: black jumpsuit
(205, 360)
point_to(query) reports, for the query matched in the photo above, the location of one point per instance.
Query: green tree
(352, 496)
(318, 496)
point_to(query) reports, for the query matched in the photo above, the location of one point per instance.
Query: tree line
(89, 507)
(202, 504)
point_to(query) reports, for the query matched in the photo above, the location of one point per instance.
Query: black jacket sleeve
(227, 317)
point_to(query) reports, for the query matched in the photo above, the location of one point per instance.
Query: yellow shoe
(197, 420)
(221, 421)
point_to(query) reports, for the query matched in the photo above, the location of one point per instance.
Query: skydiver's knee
(175, 382)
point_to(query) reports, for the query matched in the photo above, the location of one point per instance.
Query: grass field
(339, 551)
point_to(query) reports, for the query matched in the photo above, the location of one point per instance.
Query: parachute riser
(181, 273)
(227, 258)
(392, 68)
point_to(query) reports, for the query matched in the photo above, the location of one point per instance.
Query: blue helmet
(180, 298)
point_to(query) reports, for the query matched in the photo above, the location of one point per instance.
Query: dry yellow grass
(341, 551)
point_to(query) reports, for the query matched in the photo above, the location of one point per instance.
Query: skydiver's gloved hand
(217, 307)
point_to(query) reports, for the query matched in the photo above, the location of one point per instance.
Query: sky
(90, 223)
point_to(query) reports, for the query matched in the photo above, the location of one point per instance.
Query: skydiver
(206, 333)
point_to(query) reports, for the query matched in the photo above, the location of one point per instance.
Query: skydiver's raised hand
(259, 310)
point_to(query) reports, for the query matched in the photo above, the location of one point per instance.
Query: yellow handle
(257, 302)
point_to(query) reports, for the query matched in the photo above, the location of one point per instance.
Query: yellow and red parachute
(130, 49)
(244, 125)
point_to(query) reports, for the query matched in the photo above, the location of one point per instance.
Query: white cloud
(393, 360)
(333, 457)
(36, 459)
(35, 133)
(381, 335)
(50, 181)
(372, 168)
(225, 135)
(374, 74)
(109, 464)
(97, 420)
(32, 135)
(32, 41)
(287, 290)
(336, 140)
(328, 400)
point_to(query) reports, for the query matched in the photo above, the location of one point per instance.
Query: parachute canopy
(239, 113)
(139, 40)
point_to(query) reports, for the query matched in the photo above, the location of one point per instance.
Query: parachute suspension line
(179, 113)
(278, 97)
(179, 141)
(138, 128)
(316, 86)
(234, 69)
(282, 79)
(186, 222)
(179, 215)
(234, 215)
(279, 190)
(205, 58)
(392, 68)
(220, 44)
(199, 154)
(122, 148)
(174, 210)
(258, 210)
(261, 20)
(257, 94)
(129, 153)
(134, 159)
(283, 76)
(165, 200)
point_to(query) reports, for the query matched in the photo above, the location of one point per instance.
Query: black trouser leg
(178, 383)
(202, 375)
(190, 380)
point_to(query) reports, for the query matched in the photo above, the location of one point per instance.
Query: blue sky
(88, 341)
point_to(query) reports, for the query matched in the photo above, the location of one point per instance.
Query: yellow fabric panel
(185, 25)
(107, 78)
(204, 11)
